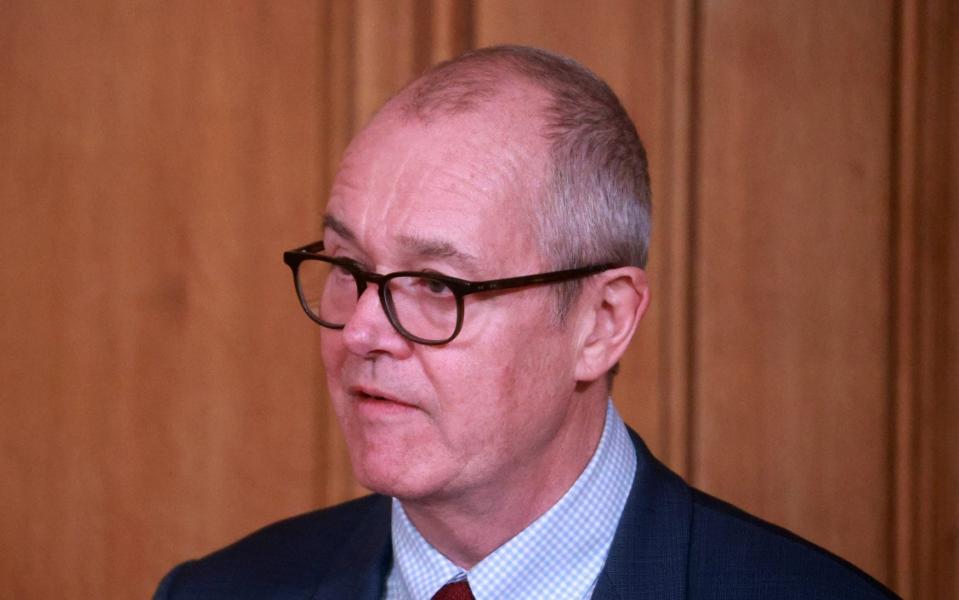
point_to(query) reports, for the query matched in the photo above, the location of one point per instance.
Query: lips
(371, 394)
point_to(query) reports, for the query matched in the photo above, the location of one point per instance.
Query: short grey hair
(598, 206)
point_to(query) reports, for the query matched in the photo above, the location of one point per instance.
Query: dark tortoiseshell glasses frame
(459, 287)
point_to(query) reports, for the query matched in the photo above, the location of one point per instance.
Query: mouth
(367, 395)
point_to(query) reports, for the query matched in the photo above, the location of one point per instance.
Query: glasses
(424, 307)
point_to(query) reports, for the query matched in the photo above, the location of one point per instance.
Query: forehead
(470, 182)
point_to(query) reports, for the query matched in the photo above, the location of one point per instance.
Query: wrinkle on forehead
(510, 124)
(416, 245)
(432, 187)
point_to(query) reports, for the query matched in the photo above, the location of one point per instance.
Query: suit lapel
(359, 569)
(648, 557)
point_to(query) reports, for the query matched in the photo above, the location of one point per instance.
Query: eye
(423, 287)
(435, 286)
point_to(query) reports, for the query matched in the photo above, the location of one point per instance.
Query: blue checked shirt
(559, 555)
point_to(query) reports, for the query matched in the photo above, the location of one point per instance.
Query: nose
(369, 332)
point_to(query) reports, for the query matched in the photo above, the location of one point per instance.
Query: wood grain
(791, 414)
(927, 380)
(156, 161)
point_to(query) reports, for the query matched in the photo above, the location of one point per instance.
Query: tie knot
(459, 590)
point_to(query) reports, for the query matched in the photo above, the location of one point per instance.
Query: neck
(469, 527)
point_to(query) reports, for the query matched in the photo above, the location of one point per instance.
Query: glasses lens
(423, 306)
(328, 291)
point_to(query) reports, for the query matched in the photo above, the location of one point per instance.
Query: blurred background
(160, 388)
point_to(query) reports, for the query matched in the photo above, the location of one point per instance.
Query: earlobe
(616, 306)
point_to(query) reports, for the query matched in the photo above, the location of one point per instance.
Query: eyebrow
(437, 248)
(339, 227)
(419, 246)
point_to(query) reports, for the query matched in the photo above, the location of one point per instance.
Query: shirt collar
(559, 555)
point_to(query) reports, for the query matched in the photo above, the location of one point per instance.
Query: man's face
(480, 413)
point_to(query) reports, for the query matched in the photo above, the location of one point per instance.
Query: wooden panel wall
(157, 382)
(162, 393)
(926, 343)
(792, 262)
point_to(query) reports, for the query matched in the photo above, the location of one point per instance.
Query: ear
(615, 302)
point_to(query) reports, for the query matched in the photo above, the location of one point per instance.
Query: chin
(388, 485)
(379, 470)
(391, 475)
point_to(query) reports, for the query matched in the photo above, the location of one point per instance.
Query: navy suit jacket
(673, 542)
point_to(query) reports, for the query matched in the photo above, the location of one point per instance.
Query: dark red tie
(459, 590)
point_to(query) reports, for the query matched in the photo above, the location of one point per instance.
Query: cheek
(332, 350)
(474, 393)
(502, 383)
(332, 356)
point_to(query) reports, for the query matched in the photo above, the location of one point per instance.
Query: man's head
(502, 163)
(595, 201)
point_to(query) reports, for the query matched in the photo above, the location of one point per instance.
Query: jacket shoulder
(751, 558)
(287, 558)
(675, 542)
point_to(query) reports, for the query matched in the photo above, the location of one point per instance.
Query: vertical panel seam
(423, 40)
(324, 51)
(894, 275)
(692, 296)
(469, 24)
(663, 393)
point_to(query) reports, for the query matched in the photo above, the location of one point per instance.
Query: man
(480, 275)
